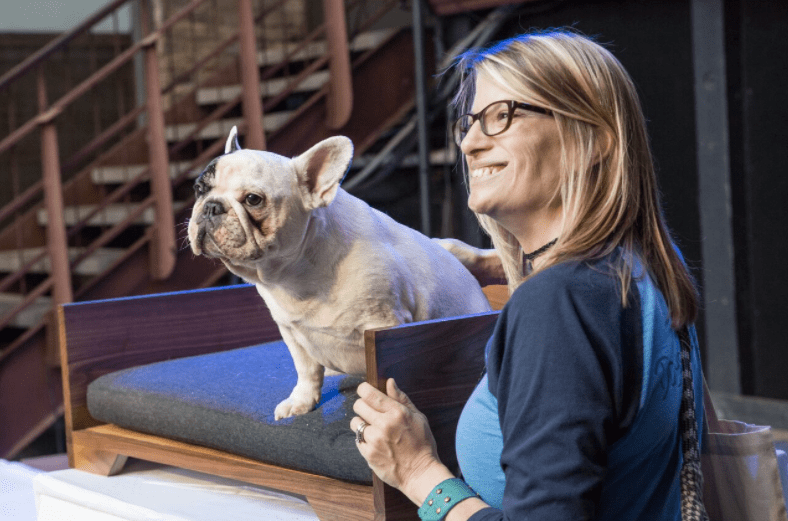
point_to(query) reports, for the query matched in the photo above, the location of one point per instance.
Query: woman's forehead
(488, 90)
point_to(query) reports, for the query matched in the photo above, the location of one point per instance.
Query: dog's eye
(253, 199)
(199, 189)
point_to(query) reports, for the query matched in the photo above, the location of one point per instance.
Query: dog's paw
(290, 407)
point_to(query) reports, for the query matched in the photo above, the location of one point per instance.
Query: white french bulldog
(327, 265)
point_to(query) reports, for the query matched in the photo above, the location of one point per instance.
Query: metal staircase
(101, 214)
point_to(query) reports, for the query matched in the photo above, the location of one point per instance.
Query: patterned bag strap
(692, 508)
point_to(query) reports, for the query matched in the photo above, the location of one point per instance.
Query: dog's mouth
(235, 248)
(205, 244)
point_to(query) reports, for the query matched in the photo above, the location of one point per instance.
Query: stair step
(270, 88)
(109, 216)
(273, 56)
(28, 317)
(361, 42)
(120, 174)
(98, 261)
(221, 129)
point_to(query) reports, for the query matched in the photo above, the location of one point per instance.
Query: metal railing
(166, 134)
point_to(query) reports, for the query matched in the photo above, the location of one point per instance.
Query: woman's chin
(481, 207)
(481, 200)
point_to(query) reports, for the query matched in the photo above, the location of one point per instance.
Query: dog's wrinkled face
(242, 203)
(254, 206)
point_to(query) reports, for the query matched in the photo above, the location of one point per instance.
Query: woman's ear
(604, 143)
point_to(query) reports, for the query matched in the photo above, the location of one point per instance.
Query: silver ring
(360, 432)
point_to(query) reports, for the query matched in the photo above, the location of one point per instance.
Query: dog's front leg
(307, 391)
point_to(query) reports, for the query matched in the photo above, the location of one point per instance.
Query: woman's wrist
(418, 487)
(447, 495)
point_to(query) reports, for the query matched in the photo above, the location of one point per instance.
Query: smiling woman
(606, 180)
(577, 416)
(514, 174)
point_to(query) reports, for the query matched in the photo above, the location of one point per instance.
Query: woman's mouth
(484, 172)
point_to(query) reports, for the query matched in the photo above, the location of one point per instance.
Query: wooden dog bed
(437, 363)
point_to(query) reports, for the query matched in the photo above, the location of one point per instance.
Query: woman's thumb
(395, 393)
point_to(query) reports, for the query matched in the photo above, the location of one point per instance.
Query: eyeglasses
(495, 118)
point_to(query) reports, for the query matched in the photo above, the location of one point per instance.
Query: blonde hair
(608, 187)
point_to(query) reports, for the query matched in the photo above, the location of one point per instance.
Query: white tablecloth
(151, 492)
(17, 500)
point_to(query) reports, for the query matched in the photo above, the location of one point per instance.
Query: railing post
(340, 89)
(163, 246)
(250, 78)
(57, 243)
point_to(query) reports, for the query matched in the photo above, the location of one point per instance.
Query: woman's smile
(483, 172)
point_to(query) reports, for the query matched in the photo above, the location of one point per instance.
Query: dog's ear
(231, 145)
(321, 168)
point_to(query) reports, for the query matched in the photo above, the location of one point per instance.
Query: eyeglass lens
(494, 119)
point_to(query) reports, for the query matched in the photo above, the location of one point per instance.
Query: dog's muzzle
(212, 212)
(208, 221)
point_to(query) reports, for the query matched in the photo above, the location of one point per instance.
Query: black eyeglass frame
(513, 105)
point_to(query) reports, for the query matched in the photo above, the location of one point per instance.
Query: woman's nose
(475, 140)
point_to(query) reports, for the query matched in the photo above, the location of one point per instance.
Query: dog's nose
(213, 208)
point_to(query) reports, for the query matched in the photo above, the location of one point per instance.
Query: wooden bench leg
(98, 462)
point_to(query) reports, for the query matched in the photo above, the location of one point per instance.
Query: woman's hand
(485, 265)
(398, 443)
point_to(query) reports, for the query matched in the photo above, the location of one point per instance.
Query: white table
(152, 492)
(17, 499)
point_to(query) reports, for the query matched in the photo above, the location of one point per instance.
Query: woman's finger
(366, 411)
(392, 400)
(356, 422)
(373, 397)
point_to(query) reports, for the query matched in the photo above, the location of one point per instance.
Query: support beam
(57, 243)
(711, 120)
(250, 78)
(163, 249)
(421, 111)
(340, 92)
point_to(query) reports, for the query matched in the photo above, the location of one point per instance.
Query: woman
(577, 414)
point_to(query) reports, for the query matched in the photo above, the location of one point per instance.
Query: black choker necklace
(528, 258)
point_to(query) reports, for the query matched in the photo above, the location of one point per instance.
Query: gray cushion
(226, 401)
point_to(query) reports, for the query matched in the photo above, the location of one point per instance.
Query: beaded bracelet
(443, 498)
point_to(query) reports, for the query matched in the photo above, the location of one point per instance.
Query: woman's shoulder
(594, 279)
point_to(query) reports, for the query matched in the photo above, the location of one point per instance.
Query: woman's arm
(400, 448)
(557, 374)
(556, 370)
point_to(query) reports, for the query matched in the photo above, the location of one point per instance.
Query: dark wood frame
(437, 363)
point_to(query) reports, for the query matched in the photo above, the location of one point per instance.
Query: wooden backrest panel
(99, 337)
(437, 364)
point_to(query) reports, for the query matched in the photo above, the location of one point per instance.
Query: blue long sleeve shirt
(577, 416)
